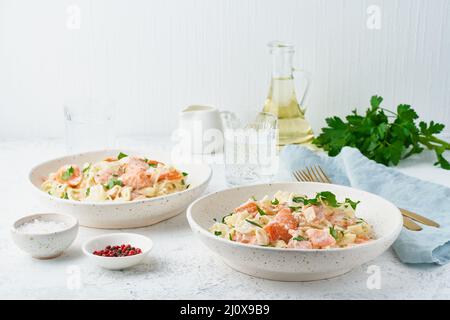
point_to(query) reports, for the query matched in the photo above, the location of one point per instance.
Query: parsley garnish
(121, 155)
(382, 140)
(66, 196)
(184, 174)
(353, 204)
(299, 238)
(260, 211)
(230, 237)
(68, 173)
(153, 165)
(223, 219)
(217, 233)
(113, 182)
(253, 223)
(275, 202)
(86, 169)
(88, 191)
(333, 233)
(325, 197)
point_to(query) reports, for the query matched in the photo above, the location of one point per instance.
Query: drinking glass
(89, 125)
(250, 150)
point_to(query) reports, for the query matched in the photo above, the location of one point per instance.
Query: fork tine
(312, 174)
(324, 174)
(320, 178)
(297, 176)
(305, 177)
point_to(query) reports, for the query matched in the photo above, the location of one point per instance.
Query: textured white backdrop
(155, 57)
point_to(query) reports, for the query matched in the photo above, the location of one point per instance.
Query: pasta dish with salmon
(294, 221)
(121, 178)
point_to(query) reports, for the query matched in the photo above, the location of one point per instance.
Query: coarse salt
(41, 227)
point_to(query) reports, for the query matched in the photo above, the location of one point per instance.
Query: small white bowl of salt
(45, 235)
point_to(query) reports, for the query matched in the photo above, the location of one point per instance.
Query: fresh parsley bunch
(382, 140)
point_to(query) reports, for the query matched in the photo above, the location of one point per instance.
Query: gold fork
(316, 174)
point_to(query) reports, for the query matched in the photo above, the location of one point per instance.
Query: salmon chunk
(320, 238)
(250, 207)
(278, 228)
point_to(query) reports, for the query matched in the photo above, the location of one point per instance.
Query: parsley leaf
(333, 233)
(68, 173)
(121, 155)
(299, 238)
(113, 182)
(217, 233)
(260, 211)
(275, 202)
(382, 140)
(86, 169)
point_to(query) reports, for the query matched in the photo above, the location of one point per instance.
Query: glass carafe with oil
(282, 98)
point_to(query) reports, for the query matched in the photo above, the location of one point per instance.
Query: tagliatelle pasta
(294, 221)
(121, 178)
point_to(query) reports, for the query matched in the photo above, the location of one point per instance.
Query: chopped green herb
(68, 173)
(230, 237)
(153, 165)
(325, 197)
(333, 233)
(184, 174)
(260, 211)
(113, 182)
(223, 219)
(121, 155)
(253, 223)
(86, 169)
(217, 233)
(299, 238)
(88, 191)
(353, 204)
(66, 196)
(182, 182)
(295, 209)
(275, 202)
(188, 186)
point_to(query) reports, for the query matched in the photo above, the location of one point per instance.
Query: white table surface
(179, 267)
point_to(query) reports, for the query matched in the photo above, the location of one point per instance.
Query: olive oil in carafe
(282, 102)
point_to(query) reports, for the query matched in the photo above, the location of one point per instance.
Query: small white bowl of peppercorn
(116, 251)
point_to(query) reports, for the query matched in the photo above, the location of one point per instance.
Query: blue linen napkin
(351, 168)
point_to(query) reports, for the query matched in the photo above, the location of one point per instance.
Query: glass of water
(89, 125)
(250, 150)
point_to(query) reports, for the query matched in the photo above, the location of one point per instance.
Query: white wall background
(155, 57)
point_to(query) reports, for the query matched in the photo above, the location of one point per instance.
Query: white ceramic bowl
(294, 264)
(116, 215)
(49, 245)
(113, 239)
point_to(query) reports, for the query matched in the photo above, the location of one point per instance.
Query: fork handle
(411, 225)
(419, 218)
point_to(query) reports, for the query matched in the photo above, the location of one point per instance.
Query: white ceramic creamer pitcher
(203, 128)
